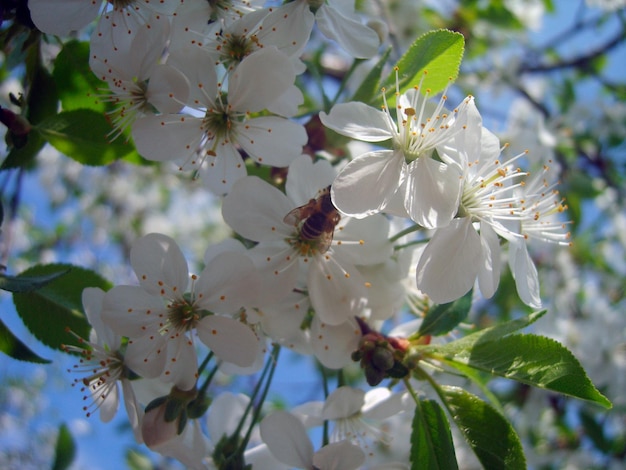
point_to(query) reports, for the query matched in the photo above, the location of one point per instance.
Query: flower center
(121, 3)
(314, 5)
(183, 315)
(236, 48)
(218, 122)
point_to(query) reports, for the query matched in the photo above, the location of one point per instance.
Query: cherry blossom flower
(495, 202)
(196, 20)
(287, 439)
(459, 253)
(191, 447)
(357, 415)
(257, 211)
(541, 219)
(140, 83)
(227, 419)
(159, 317)
(103, 361)
(337, 20)
(429, 188)
(211, 143)
(118, 22)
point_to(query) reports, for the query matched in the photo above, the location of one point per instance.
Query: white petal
(343, 403)
(288, 27)
(133, 410)
(306, 178)
(146, 356)
(230, 340)
(272, 140)
(341, 455)
(337, 291)
(489, 271)
(219, 173)
(60, 17)
(358, 40)
(92, 299)
(368, 183)
(333, 345)
(168, 89)
(525, 273)
(181, 363)
(225, 414)
(131, 311)
(287, 439)
(279, 268)
(199, 69)
(381, 404)
(363, 241)
(433, 192)
(109, 404)
(359, 121)
(448, 266)
(227, 245)
(169, 137)
(227, 283)
(160, 265)
(289, 102)
(255, 210)
(259, 80)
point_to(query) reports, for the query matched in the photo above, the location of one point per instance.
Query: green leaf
(533, 360)
(65, 449)
(49, 311)
(82, 134)
(370, 86)
(487, 334)
(76, 83)
(26, 284)
(444, 317)
(431, 441)
(439, 53)
(489, 434)
(13, 347)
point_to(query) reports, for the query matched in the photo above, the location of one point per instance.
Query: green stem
(344, 81)
(407, 245)
(271, 368)
(406, 231)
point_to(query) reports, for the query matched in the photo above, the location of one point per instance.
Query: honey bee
(317, 220)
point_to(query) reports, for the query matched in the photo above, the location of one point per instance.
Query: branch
(578, 62)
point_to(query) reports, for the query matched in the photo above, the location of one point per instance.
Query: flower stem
(406, 231)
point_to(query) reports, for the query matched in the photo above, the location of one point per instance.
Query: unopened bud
(16, 124)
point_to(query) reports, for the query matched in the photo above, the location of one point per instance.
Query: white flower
(456, 254)
(140, 83)
(211, 143)
(228, 419)
(257, 211)
(429, 188)
(337, 21)
(119, 20)
(357, 415)
(541, 218)
(159, 317)
(191, 447)
(287, 439)
(196, 20)
(103, 362)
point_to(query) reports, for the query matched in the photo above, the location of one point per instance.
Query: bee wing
(294, 216)
(297, 215)
(325, 240)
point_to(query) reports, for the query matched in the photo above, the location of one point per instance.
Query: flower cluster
(322, 254)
